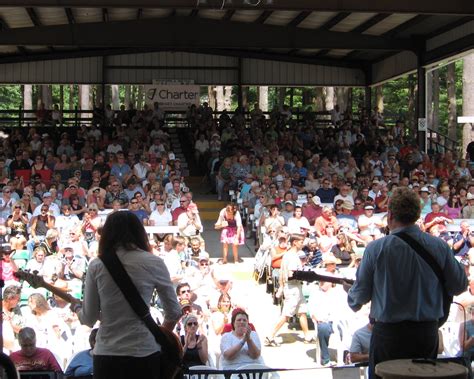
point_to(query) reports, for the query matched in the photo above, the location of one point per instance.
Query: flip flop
(221, 261)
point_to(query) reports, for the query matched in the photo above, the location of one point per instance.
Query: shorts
(294, 303)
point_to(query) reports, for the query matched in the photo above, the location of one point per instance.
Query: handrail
(449, 143)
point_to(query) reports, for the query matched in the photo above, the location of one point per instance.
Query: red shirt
(175, 214)
(42, 360)
(312, 213)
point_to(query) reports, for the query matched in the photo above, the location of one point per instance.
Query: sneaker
(271, 342)
(329, 364)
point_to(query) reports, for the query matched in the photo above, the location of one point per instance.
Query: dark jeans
(324, 331)
(402, 340)
(125, 367)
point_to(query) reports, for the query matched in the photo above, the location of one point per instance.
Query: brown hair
(404, 205)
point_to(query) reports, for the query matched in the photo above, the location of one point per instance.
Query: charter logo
(173, 97)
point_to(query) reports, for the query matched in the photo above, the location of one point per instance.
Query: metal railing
(439, 142)
(75, 117)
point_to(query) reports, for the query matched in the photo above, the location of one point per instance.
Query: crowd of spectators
(329, 185)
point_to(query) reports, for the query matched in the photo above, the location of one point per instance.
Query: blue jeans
(324, 331)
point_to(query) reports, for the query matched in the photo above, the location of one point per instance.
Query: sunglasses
(160, 203)
(92, 210)
(204, 264)
(7, 191)
(17, 207)
(184, 291)
(192, 323)
(134, 202)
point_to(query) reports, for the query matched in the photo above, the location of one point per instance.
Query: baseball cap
(47, 194)
(369, 207)
(289, 202)
(424, 189)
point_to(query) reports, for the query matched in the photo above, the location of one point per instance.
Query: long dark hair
(122, 229)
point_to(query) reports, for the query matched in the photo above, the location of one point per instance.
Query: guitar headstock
(32, 278)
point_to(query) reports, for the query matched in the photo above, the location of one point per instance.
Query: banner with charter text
(172, 97)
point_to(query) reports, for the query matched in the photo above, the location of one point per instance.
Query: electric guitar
(173, 347)
(311, 276)
(37, 281)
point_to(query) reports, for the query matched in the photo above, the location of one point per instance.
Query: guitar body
(171, 355)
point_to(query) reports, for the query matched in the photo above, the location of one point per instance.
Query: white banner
(172, 97)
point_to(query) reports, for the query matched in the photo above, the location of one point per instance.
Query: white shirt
(163, 219)
(295, 224)
(344, 198)
(52, 208)
(121, 331)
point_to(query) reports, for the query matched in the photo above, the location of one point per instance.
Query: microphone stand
(6, 364)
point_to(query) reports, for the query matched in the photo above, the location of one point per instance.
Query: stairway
(209, 207)
(176, 148)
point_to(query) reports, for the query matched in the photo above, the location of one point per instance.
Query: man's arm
(454, 275)
(361, 292)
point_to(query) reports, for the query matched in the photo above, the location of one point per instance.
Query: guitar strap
(429, 259)
(124, 283)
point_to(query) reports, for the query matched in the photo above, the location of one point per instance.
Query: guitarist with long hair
(125, 347)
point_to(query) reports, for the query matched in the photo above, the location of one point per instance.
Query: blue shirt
(80, 365)
(400, 284)
(326, 195)
(466, 245)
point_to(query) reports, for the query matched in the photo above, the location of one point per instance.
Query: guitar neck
(60, 293)
(36, 281)
(311, 276)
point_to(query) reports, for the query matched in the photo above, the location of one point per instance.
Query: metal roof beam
(228, 15)
(33, 16)
(263, 17)
(406, 25)
(460, 7)
(105, 15)
(176, 32)
(451, 25)
(370, 22)
(70, 16)
(33, 57)
(334, 21)
(299, 19)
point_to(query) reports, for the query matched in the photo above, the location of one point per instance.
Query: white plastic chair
(265, 375)
(204, 376)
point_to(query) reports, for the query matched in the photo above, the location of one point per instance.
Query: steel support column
(420, 106)
(239, 84)
(368, 98)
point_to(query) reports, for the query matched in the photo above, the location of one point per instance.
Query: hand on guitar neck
(37, 281)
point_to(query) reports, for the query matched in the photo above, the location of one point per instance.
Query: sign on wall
(172, 97)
